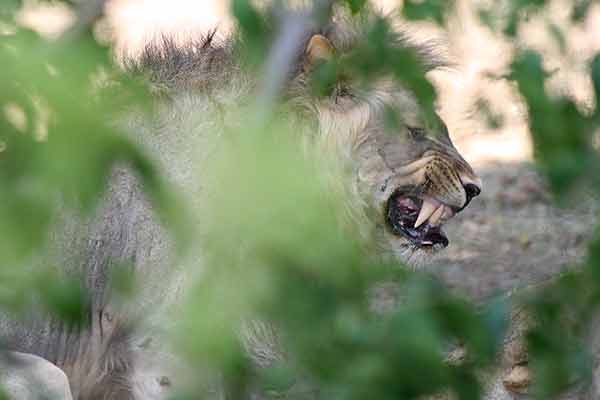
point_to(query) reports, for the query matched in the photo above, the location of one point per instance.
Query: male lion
(413, 178)
(410, 182)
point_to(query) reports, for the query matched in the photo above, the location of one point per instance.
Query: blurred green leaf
(595, 74)
(580, 9)
(256, 36)
(561, 133)
(494, 120)
(247, 16)
(488, 18)
(325, 78)
(558, 36)
(378, 55)
(8, 9)
(277, 246)
(278, 378)
(122, 280)
(434, 10)
(66, 298)
(356, 5)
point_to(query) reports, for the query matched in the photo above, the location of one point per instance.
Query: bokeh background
(513, 235)
(487, 120)
(514, 225)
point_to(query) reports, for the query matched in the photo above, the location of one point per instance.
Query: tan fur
(200, 88)
(204, 86)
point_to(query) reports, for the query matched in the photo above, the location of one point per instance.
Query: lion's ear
(319, 49)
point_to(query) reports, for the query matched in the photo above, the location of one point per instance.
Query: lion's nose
(472, 190)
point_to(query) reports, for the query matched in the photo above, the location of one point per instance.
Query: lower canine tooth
(428, 207)
(435, 217)
(447, 213)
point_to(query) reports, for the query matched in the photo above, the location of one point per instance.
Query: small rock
(518, 379)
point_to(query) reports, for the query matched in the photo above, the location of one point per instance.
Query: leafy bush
(58, 145)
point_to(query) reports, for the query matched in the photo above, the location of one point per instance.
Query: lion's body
(200, 88)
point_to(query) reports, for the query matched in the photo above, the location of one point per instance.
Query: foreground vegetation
(53, 90)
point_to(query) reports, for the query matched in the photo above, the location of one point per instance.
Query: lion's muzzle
(417, 212)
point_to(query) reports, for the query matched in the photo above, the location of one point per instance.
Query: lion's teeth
(428, 207)
(435, 217)
(448, 213)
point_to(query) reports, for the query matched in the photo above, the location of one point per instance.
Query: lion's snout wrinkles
(450, 182)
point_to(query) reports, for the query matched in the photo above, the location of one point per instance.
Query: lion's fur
(199, 86)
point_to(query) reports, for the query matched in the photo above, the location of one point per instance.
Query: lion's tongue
(407, 205)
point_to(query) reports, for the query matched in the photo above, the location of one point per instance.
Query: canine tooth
(435, 217)
(448, 213)
(428, 207)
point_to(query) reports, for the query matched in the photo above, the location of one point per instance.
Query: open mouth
(419, 219)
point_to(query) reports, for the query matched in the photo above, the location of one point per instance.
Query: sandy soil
(513, 234)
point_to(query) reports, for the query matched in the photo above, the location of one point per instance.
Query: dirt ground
(513, 234)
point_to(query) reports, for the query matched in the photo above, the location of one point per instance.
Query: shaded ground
(513, 235)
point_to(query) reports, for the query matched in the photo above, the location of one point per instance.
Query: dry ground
(514, 235)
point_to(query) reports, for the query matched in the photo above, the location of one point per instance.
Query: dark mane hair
(205, 62)
(196, 64)
(109, 376)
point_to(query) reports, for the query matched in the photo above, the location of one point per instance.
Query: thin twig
(295, 26)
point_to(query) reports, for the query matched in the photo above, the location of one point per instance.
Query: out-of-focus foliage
(59, 142)
(506, 15)
(561, 132)
(435, 10)
(563, 136)
(376, 55)
(275, 247)
(285, 260)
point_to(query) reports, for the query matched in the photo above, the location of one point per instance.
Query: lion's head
(406, 181)
(411, 178)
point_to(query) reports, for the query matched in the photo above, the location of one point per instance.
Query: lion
(413, 178)
(408, 183)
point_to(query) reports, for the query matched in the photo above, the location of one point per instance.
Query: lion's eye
(415, 132)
